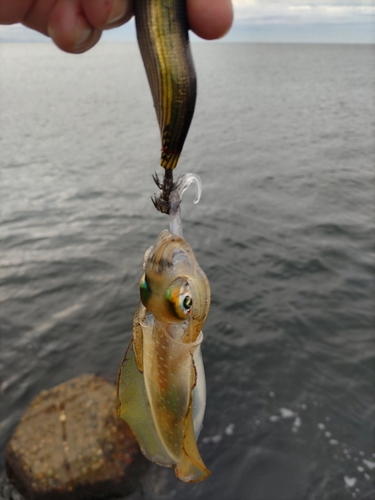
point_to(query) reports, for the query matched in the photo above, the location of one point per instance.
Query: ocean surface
(283, 139)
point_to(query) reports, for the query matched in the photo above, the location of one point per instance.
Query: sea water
(283, 139)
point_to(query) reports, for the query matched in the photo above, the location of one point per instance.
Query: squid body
(161, 383)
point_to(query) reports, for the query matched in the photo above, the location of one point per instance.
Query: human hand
(76, 25)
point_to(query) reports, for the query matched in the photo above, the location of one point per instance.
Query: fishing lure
(161, 384)
(162, 32)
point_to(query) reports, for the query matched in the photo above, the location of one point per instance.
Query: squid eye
(188, 302)
(145, 291)
(178, 296)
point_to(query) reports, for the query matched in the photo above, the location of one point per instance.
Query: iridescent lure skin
(161, 384)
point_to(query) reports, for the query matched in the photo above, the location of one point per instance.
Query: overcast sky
(340, 21)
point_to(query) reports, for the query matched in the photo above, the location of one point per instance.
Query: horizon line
(324, 33)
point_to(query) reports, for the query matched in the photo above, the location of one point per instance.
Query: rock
(71, 445)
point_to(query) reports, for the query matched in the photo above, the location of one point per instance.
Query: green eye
(188, 302)
(145, 291)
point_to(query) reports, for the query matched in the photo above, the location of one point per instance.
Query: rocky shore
(70, 445)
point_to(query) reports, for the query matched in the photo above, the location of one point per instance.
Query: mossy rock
(70, 445)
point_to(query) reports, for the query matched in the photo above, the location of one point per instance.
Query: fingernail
(118, 11)
(82, 35)
(51, 32)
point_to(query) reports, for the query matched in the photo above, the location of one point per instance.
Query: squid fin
(134, 408)
(138, 336)
(190, 468)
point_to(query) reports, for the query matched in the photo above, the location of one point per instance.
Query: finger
(14, 11)
(210, 19)
(69, 28)
(36, 17)
(106, 14)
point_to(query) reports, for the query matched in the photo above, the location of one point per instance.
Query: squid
(161, 382)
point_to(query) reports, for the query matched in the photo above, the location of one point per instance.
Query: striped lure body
(161, 384)
(162, 33)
